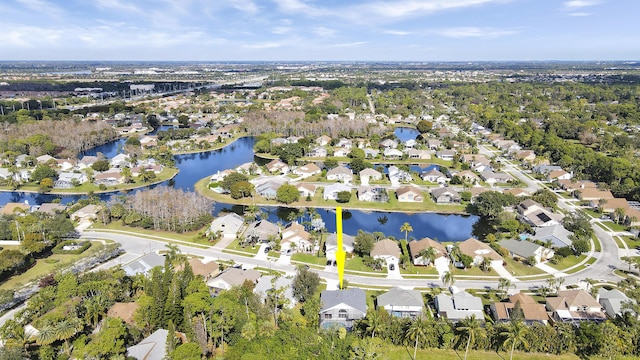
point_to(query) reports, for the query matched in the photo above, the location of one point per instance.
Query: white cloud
(41, 6)
(281, 30)
(300, 7)
(324, 31)
(577, 4)
(262, 45)
(476, 32)
(395, 10)
(579, 14)
(352, 44)
(117, 5)
(247, 6)
(397, 32)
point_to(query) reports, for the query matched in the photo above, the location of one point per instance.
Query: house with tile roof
(233, 277)
(575, 306)
(386, 250)
(532, 311)
(417, 246)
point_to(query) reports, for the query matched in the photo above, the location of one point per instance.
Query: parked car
(392, 267)
(267, 249)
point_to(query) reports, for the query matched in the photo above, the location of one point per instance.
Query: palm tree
(448, 279)
(485, 265)
(417, 331)
(428, 255)
(515, 333)
(504, 284)
(373, 321)
(46, 335)
(406, 228)
(172, 252)
(66, 329)
(619, 214)
(470, 326)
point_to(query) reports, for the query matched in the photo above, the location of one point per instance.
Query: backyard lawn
(567, 262)
(48, 265)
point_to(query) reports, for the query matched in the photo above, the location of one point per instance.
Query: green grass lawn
(579, 268)
(356, 264)
(235, 246)
(419, 270)
(616, 227)
(406, 353)
(191, 236)
(521, 269)
(48, 265)
(309, 259)
(567, 262)
(473, 271)
(632, 242)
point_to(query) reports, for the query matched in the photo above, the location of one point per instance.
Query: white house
(331, 191)
(340, 173)
(227, 225)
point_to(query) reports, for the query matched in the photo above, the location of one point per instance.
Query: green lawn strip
(390, 352)
(519, 269)
(419, 270)
(615, 226)
(580, 268)
(371, 297)
(473, 271)
(567, 262)
(632, 242)
(190, 237)
(309, 259)
(619, 241)
(596, 243)
(48, 265)
(356, 264)
(592, 213)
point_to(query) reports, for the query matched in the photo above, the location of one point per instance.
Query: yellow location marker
(340, 253)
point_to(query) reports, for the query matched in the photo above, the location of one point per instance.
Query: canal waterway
(195, 166)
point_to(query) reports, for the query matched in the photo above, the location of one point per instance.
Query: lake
(196, 166)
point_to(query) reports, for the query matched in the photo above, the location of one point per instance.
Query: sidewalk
(548, 269)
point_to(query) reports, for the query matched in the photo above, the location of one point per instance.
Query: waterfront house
(331, 245)
(331, 191)
(417, 246)
(445, 195)
(227, 225)
(386, 250)
(409, 193)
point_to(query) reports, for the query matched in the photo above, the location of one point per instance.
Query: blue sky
(372, 30)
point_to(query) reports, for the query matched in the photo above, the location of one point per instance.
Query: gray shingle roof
(355, 298)
(400, 297)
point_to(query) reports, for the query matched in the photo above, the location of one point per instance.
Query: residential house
(372, 193)
(409, 193)
(323, 140)
(295, 237)
(67, 164)
(545, 169)
(524, 249)
(575, 306)
(369, 174)
(517, 192)
(613, 301)
(556, 175)
(318, 151)
(392, 154)
(248, 168)
(446, 154)
(279, 141)
(468, 176)
(68, 180)
(227, 226)
(401, 303)
(108, 178)
(527, 156)
(557, 235)
(89, 212)
(276, 166)
(153, 347)
(15, 207)
(340, 173)
(52, 208)
(532, 311)
(207, 270)
(458, 306)
(396, 175)
(434, 144)
(331, 245)
(417, 246)
(341, 152)
(410, 144)
(388, 144)
(307, 170)
(386, 250)
(593, 194)
(120, 160)
(419, 154)
(492, 178)
(220, 175)
(370, 153)
(45, 159)
(138, 170)
(268, 189)
(340, 308)
(345, 143)
(478, 250)
(445, 195)
(306, 190)
(143, 264)
(261, 231)
(571, 185)
(267, 284)
(233, 277)
(331, 191)
(87, 161)
(535, 214)
(434, 176)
